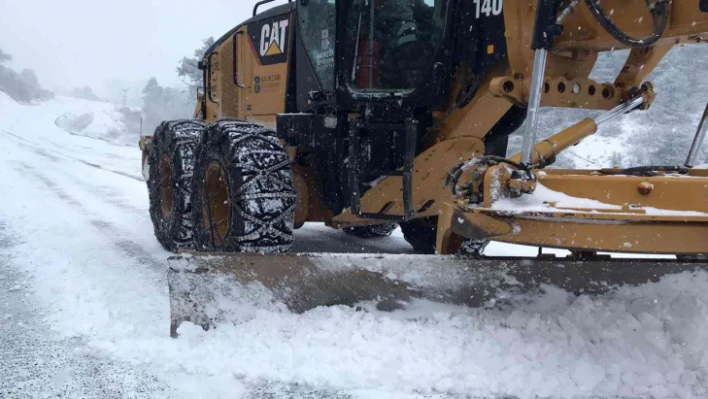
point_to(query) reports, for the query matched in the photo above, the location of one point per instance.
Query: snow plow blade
(230, 288)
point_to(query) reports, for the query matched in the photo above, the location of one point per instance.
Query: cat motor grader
(363, 113)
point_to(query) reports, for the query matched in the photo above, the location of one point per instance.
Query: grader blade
(233, 288)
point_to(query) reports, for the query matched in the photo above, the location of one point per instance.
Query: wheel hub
(166, 191)
(216, 209)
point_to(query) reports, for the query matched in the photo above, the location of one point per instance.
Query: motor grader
(365, 113)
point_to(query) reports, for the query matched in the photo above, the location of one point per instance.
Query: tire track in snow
(28, 145)
(93, 165)
(111, 194)
(129, 248)
(107, 194)
(22, 142)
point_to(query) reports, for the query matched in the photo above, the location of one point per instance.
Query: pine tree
(188, 70)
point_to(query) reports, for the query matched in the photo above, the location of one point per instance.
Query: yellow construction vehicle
(363, 113)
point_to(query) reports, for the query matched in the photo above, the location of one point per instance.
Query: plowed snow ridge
(79, 263)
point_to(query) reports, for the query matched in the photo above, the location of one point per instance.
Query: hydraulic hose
(659, 10)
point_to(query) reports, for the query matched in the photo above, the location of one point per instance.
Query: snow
(558, 345)
(90, 315)
(104, 120)
(544, 199)
(592, 152)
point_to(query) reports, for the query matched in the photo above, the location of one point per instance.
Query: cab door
(316, 27)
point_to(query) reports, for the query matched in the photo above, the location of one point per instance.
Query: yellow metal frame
(458, 134)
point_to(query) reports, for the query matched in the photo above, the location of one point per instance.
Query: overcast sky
(73, 43)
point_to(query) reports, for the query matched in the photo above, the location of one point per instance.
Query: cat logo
(273, 38)
(270, 38)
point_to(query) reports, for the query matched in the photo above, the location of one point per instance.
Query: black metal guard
(406, 173)
(260, 3)
(354, 164)
(545, 28)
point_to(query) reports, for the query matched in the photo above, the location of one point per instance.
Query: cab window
(317, 21)
(393, 42)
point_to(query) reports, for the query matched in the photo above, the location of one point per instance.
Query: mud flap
(233, 288)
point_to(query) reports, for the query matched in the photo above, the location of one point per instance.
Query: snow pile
(34, 128)
(649, 341)
(95, 119)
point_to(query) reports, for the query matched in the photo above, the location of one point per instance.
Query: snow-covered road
(84, 309)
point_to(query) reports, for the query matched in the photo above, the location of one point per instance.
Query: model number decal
(488, 7)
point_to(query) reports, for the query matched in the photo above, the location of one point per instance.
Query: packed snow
(84, 310)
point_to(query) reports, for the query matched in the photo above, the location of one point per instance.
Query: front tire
(421, 234)
(244, 200)
(374, 231)
(170, 167)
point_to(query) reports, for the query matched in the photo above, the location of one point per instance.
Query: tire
(171, 163)
(421, 234)
(374, 231)
(244, 200)
(473, 247)
(692, 258)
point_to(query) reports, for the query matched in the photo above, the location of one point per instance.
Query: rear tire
(244, 200)
(374, 231)
(171, 163)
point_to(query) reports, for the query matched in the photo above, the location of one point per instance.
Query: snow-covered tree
(4, 57)
(84, 92)
(661, 135)
(188, 70)
(163, 103)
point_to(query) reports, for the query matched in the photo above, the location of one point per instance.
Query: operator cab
(369, 75)
(367, 49)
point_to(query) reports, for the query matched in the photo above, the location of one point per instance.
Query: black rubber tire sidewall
(421, 234)
(374, 231)
(230, 143)
(177, 141)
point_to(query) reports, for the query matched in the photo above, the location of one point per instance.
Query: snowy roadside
(37, 363)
